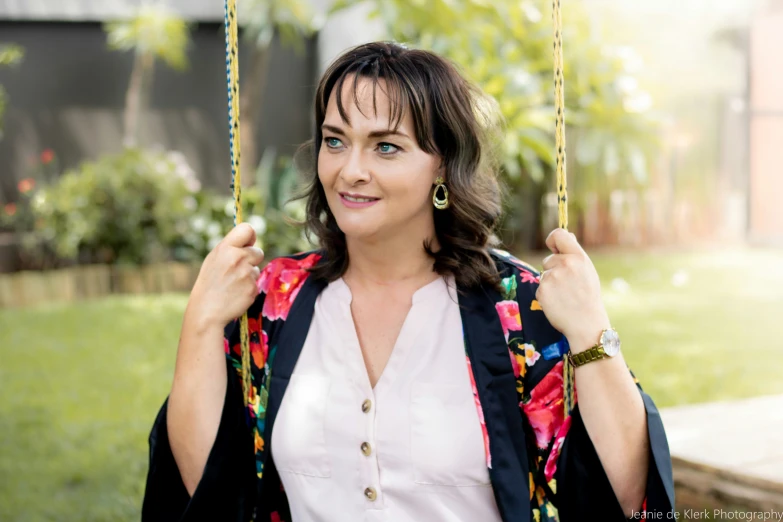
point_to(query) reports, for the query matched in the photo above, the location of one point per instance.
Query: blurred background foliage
(10, 54)
(505, 47)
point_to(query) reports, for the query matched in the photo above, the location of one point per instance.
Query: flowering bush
(131, 207)
(135, 207)
(215, 215)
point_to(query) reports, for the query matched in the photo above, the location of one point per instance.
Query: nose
(355, 171)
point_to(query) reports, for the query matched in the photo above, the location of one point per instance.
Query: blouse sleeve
(566, 472)
(227, 488)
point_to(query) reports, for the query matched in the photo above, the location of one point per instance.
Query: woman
(407, 370)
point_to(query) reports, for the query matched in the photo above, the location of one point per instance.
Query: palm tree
(10, 54)
(294, 21)
(155, 33)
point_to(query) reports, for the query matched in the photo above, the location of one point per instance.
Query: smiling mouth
(355, 199)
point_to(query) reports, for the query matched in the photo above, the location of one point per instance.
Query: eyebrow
(380, 133)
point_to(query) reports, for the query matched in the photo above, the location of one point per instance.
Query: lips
(361, 197)
(353, 202)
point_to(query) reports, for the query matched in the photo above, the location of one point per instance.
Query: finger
(256, 273)
(241, 235)
(254, 255)
(561, 241)
(551, 261)
(551, 242)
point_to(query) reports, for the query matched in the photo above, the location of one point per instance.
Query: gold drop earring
(440, 204)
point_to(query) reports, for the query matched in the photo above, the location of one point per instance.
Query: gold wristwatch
(608, 346)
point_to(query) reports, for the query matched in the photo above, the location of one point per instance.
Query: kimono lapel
(493, 374)
(288, 346)
(290, 342)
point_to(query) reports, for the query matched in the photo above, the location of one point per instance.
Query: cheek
(325, 168)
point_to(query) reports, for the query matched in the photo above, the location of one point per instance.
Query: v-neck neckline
(402, 345)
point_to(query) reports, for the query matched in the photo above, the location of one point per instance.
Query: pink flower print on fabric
(545, 408)
(527, 277)
(551, 462)
(508, 311)
(480, 412)
(281, 280)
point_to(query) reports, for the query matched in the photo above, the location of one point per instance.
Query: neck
(398, 263)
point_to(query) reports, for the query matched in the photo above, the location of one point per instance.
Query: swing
(232, 74)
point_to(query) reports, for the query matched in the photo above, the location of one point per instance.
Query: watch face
(611, 342)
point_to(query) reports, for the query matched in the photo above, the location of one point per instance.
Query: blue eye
(332, 143)
(387, 148)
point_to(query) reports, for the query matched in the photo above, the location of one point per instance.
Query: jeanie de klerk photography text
(707, 514)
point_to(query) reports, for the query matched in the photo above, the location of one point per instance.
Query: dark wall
(69, 93)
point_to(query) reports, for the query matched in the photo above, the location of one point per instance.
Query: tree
(10, 54)
(294, 21)
(506, 47)
(155, 33)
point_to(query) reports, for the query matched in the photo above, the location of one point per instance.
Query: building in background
(765, 190)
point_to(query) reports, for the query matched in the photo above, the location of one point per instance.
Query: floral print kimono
(542, 465)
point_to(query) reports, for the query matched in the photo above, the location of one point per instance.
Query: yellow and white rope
(232, 75)
(562, 187)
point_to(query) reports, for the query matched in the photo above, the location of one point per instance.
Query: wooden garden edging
(728, 454)
(91, 281)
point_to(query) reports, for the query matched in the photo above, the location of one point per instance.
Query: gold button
(366, 449)
(366, 405)
(370, 494)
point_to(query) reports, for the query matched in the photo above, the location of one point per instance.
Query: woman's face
(387, 171)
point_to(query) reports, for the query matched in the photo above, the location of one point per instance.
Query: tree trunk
(137, 97)
(133, 102)
(251, 96)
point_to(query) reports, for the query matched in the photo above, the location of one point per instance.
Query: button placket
(369, 459)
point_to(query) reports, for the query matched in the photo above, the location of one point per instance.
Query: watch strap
(593, 354)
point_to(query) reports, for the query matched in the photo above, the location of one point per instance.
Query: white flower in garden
(531, 12)
(258, 223)
(213, 230)
(39, 200)
(198, 223)
(229, 209)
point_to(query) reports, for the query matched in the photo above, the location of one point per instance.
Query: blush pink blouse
(410, 449)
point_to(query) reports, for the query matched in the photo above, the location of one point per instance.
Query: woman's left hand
(569, 292)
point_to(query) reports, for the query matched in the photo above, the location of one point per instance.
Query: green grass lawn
(81, 384)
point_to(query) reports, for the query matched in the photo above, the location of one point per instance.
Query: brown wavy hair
(452, 119)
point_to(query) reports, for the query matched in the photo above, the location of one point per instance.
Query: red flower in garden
(47, 156)
(10, 209)
(26, 185)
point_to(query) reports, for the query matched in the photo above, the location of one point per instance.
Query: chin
(360, 231)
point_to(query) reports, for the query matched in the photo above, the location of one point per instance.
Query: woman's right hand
(226, 284)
